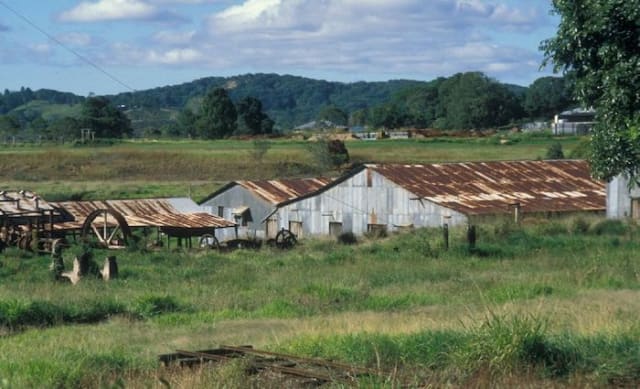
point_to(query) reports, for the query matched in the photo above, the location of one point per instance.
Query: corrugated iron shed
(144, 213)
(278, 191)
(480, 188)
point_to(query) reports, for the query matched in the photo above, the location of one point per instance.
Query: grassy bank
(552, 303)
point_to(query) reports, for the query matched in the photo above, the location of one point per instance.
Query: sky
(113, 46)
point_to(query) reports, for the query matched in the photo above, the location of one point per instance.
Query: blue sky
(111, 46)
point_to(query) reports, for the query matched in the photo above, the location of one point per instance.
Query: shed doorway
(296, 228)
(635, 208)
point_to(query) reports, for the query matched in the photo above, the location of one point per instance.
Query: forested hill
(462, 101)
(289, 100)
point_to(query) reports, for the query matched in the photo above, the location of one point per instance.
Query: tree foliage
(333, 114)
(472, 100)
(106, 120)
(251, 119)
(598, 42)
(548, 96)
(218, 115)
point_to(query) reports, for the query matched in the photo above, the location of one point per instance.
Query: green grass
(539, 307)
(140, 168)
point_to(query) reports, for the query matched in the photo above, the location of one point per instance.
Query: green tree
(334, 115)
(547, 96)
(218, 115)
(185, 124)
(388, 116)
(251, 119)
(598, 43)
(472, 100)
(106, 120)
(67, 128)
(9, 125)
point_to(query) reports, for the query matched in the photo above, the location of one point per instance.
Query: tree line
(462, 101)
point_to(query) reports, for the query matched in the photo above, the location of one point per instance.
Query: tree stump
(110, 268)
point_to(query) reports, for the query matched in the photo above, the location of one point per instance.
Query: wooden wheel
(209, 241)
(106, 228)
(285, 239)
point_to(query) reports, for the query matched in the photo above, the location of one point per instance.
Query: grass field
(552, 303)
(196, 168)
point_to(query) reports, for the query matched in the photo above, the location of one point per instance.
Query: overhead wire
(69, 49)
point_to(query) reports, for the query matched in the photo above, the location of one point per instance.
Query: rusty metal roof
(278, 191)
(23, 203)
(143, 213)
(477, 188)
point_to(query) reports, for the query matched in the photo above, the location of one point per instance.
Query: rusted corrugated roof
(477, 188)
(278, 191)
(143, 213)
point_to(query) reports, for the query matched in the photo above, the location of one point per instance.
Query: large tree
(218, 115)
(105, 119)
(547, 96)
(472, 100)
(251, 119)
(598, 41)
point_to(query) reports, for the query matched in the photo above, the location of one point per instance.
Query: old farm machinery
(115, 224)
(29, 223)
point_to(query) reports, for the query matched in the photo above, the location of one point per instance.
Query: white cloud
(174, 37)
(174, 57)
(352, 38)
(104, 10)
(76, 39)
(41, 49)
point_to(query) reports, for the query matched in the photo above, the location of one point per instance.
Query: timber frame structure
(110, 223)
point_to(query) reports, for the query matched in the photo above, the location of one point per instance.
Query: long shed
(394, 197)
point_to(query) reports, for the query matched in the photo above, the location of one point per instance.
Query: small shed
(248, 203)
(623, 199)
(396, 197)
(578, 121)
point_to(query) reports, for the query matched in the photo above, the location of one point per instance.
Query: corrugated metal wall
(234, 198)
(619, 198)
(366, 198)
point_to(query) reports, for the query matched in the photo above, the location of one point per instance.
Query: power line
(54, 39)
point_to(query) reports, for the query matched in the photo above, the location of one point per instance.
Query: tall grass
(564, 300)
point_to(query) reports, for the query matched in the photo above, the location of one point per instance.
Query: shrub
(579, 226)
(609, 227)
(555, 151)
(149, 306)
(347, 238)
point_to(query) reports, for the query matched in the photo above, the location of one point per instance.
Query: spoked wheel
(285, 239)
(106, 228)
(209, 241)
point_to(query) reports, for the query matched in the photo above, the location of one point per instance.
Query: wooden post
(445, 235)
(471, 236)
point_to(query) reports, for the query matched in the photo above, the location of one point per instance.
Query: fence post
(445, 235)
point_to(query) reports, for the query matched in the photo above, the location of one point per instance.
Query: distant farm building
(396, 197)
(577, 121)
(623, 201)
(248, 203)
